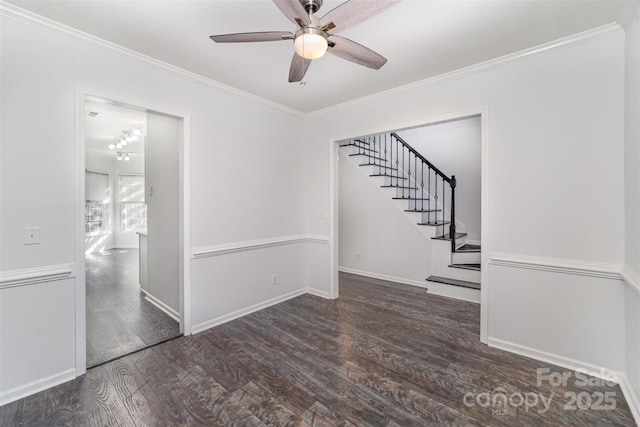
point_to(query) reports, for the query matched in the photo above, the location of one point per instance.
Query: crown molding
(18, 14)
(543, 49)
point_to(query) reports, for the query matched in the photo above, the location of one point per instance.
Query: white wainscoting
(236, 279)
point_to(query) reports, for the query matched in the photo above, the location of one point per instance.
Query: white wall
(553, 119)
(162, 195)
(454, 148)
(632, 203)
(241, 187)
(385, 239)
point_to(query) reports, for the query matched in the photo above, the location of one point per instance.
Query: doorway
(339, 252)
(132, 241)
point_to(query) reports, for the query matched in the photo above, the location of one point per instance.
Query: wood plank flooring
(119, 319)
(382, 354)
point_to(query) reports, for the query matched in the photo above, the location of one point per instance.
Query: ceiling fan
(315, 36)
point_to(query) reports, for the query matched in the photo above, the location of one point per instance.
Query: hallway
(119, 319)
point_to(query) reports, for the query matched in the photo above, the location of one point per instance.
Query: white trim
(161, 305)
(40, 22)
(532, 52)
(557, 265)
(31, 276)
(554, 359)
(228, 248)
(632, 398)
(36, 386)
(631, 278)
(245, 311)
(319, 293)
(441, 289)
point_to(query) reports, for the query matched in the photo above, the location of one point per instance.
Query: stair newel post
(452, 225)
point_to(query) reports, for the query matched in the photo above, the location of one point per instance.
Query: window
(96, 207)
(133, 210)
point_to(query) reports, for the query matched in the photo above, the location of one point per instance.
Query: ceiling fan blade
(354, 52)
(268, 36)
(353, 12)
(293, 10)
(299, 66)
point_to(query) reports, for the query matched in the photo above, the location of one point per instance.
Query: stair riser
(466, 257)
(418, 204)
(393, 181)
(462, 274)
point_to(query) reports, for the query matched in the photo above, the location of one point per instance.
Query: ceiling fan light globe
(310, 45)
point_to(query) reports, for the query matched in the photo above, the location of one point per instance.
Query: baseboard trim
(36, 386)
(554, 359)
(161, 305)
(31, 276)
(245, 311)
(216, 250)
(632, 398)
(440, 289)
(318, 293)
(557, 265)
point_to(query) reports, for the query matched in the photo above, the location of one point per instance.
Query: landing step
(446, 236)
(389, 176)
(468, 247)
(369, 157)
(454, 282)
(434, 223)
(475, 267)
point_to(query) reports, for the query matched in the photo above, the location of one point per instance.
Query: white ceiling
(111, 120)
(420, 38)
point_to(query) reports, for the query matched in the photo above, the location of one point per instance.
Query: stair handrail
(421, 157)
(452, 183)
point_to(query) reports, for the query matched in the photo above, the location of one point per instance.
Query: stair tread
(409, 198)
(359, 147)
(423, 210)
(446, 236)
(475, 267)
(379, 166)
(390, 176)
(399, 186)
(454, 282)
(434, 223)
(368, 156)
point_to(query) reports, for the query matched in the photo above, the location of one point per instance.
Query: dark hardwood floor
(381, 355)
(119, 319)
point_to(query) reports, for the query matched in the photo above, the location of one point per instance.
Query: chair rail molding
(31, 276)
(558, 265)
(228, 248)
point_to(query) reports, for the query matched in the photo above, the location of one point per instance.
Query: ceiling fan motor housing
(311, 6)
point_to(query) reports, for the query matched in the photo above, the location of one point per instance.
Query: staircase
(427, 196)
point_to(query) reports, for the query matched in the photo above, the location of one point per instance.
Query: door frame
(334, 196)
(184, 214)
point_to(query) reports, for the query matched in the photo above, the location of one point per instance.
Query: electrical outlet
(31, 236)
(274, 279)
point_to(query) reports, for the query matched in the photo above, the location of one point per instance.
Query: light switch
(31, 235)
